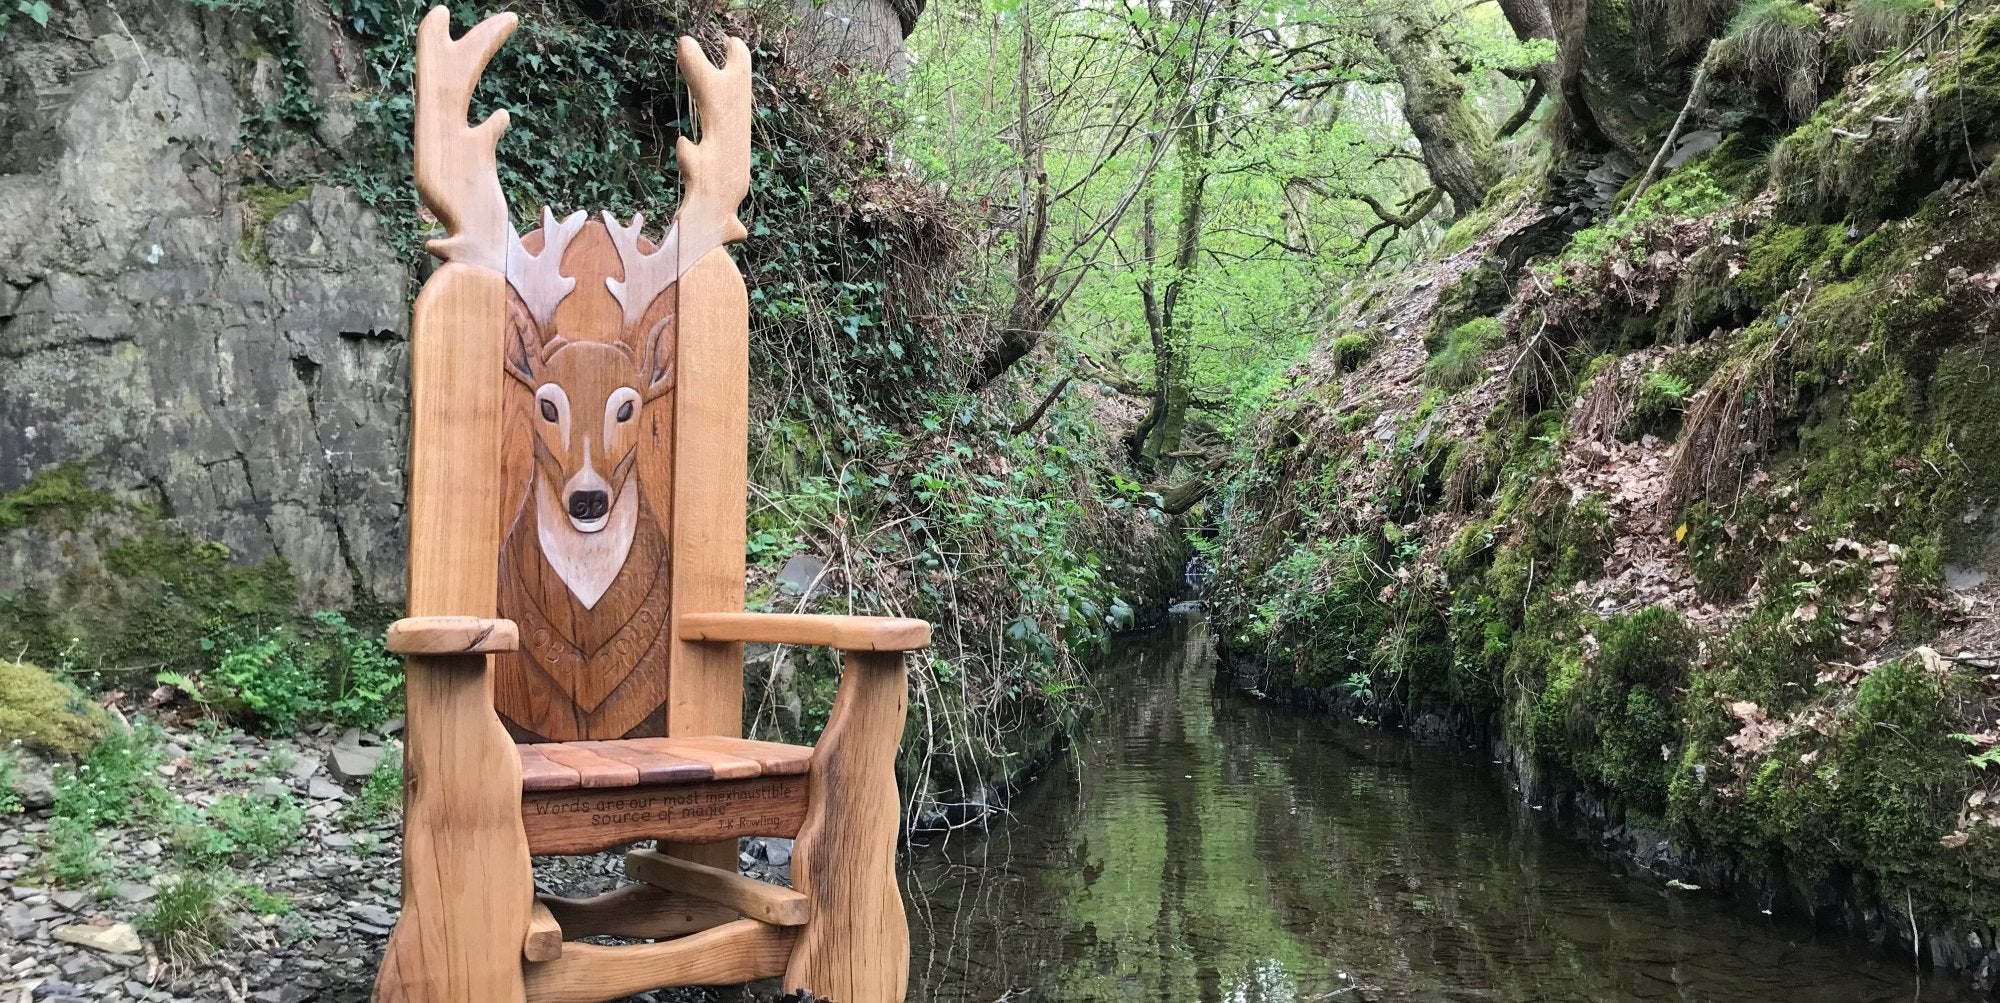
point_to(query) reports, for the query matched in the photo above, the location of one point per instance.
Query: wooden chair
(574, 645)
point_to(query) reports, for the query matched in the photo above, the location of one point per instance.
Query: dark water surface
(1202, 847)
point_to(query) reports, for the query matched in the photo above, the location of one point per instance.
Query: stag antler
(715, 177)
(538, 278)
(454, 162)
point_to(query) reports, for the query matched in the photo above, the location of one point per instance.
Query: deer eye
(625, 412)
(548, 411)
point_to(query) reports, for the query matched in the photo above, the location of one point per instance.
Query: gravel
(341, 882)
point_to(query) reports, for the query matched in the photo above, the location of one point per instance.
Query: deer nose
(589, 504)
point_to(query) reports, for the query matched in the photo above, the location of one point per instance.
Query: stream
(1200, 845)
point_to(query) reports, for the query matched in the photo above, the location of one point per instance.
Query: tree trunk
(1173, 323)
(1458, 152)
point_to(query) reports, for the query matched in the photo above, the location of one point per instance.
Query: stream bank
(1203, 845)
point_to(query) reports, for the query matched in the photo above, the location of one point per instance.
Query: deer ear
(524, 343)
(656, 363)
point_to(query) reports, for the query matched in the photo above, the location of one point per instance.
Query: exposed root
(1728, 424)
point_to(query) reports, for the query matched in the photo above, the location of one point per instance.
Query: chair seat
(637, 762)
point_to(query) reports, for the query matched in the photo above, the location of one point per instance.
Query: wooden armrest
(452, 635)
(848, 633)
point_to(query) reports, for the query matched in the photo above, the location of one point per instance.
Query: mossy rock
(1873, 152)
(57, 498)
(44, 713)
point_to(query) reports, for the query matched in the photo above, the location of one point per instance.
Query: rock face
(240, 371)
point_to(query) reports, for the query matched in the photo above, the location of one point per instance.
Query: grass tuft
(190, 917)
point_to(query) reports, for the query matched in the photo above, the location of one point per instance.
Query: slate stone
(118, 938)
(355, 762)
(802, 572)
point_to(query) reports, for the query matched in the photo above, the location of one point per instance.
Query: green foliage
(10, 782)
(1662, 395)
(72, 854)
(39, 711)
(381, 795)
(190, 916)
(237, 826)
(270, 682)
(115, 781)
(365, 681)
(1689, 192)
(259, 826)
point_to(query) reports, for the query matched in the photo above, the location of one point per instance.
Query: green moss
(1461, 362)
(200, 598)
(262, 204)
(56, 498)
(42, 712)
(1780, 255)
(1873, 153)
(1608, 721)
(1349, 350)
(1480, 292)
(1512, 192)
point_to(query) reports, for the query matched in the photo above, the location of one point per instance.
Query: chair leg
(856, 947)
(468, 886)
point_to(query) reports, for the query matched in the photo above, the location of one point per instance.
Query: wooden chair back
(624, 434)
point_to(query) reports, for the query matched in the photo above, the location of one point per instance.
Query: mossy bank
(1692, 512)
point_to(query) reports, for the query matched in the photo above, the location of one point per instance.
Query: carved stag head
(590, 387)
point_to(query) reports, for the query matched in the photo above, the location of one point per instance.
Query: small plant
(181, 681)
(1358, 686)
(114, 781)
(270, 682)
(190, 917)
(72, 854)
(1980, 758)
(262, 826)
(381, 796)
(195, 838)
(1661, 396)
(254, 825)
(10, 783)
(264, 902)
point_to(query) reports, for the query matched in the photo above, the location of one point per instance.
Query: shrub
(367, 680)
(42, 712)
(190, 917)
(268, 680)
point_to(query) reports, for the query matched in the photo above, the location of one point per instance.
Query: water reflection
(1203, 847)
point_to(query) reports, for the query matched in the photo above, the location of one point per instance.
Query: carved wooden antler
(715, 174)
(538, 278)
(456, 173)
